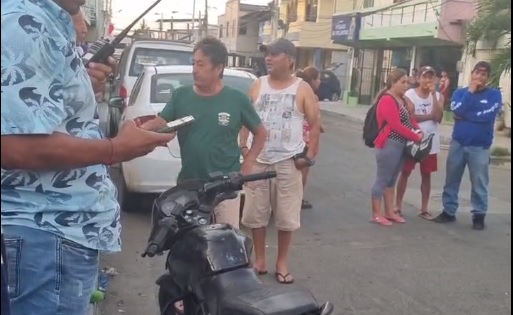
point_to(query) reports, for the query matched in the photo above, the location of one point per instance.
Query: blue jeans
(478, 161)
(48, 275)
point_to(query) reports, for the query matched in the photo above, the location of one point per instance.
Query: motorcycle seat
(240, 292)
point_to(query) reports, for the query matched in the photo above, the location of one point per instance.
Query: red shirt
(388, 111)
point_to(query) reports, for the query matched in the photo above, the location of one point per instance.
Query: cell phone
(174, 125)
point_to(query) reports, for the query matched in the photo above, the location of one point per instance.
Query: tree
(492, 25)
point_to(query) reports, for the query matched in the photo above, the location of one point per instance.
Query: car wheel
(128, 200)
(334, 97)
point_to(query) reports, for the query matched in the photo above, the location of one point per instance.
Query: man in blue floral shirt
(59, 206)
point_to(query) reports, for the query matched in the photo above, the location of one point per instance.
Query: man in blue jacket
(475, 109)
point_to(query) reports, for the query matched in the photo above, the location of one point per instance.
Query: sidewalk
(357, 114)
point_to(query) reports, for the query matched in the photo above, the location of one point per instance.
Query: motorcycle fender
(167, 283)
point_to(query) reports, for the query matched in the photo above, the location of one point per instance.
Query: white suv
(140, 54)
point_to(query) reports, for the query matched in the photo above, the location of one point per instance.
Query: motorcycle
(208, 265)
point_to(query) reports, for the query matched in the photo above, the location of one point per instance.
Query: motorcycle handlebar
(218, 186)
(258, 176)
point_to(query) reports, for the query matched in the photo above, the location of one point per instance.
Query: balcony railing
(402, 16)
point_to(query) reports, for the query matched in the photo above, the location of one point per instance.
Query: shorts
(427, 166)
(228, 212)
(280, 196)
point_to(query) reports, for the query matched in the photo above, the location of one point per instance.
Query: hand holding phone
(174, 125)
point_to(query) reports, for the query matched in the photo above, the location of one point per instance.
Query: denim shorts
(47, 274)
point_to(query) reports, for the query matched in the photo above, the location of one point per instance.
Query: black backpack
(371, 128)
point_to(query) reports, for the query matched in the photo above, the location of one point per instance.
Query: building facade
(97, 17)
(239, 31)
(408, 34)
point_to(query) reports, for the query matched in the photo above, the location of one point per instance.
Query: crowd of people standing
(57, 194)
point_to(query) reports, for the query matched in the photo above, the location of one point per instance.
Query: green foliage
(492, 24)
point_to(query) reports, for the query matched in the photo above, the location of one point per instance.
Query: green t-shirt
(210, 143)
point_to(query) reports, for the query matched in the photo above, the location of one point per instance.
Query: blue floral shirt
(46, 89)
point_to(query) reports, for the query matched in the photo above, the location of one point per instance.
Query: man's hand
(133, 141)
(473, 86)
(152, 125)
(432, 89)
(99, 73)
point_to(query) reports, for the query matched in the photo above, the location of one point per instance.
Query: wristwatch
(309, 161)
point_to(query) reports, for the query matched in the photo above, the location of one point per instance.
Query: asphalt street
(419, 268)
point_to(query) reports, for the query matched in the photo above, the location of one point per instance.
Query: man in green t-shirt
(210, 144)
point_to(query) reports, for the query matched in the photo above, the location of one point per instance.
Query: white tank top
(424, 106)
(284, 122)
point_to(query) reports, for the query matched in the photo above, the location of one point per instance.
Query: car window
(136, 89)
(143, 57)
(163, 85)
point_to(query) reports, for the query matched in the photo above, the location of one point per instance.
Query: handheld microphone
(101, 50)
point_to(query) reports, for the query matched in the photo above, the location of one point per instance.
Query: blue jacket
(477, 112)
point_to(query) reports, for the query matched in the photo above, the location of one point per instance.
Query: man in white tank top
(428, 107)
(283, 102)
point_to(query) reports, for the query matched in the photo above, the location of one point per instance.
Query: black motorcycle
(208, 265)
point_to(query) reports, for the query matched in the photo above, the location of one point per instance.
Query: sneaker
(478, 223)
(444, 218)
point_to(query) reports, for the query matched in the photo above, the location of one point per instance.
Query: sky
(123, 13)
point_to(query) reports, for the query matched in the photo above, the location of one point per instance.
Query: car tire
(334, 97)
(128, 201)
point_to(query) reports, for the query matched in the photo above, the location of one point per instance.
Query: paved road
(416, 269)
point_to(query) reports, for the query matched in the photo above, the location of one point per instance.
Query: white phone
(174, 125)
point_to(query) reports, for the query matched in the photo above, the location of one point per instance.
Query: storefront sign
(345, 28)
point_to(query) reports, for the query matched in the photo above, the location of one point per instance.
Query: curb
(346, 117)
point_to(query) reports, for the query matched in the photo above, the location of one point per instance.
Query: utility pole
(193, 18)
(200, 26)
(275, 16)
(205, 19)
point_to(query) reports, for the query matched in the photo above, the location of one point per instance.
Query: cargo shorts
(280, 197)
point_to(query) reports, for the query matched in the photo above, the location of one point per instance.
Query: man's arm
(244, 132)
(251, 121)
(30, 114)
(461, 102)
(310, 107)
(438, 107)
(487, 112)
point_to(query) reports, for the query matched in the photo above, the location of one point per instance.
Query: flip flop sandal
(261, 272)
(282, 279)
(426, 215)
(381, 221)
(397, 219)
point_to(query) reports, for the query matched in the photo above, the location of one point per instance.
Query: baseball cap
(280, 46)
(427, 69)
(483, 66)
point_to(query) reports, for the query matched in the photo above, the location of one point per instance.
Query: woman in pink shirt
(397, 126)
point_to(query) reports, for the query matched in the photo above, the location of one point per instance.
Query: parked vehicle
(157, 171)
(209, 269)
(136, 56)
(329, 89)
